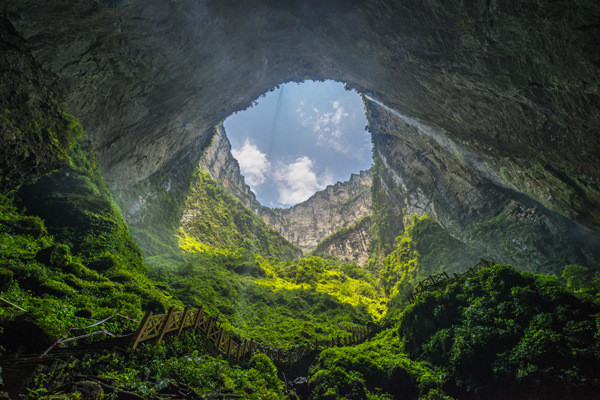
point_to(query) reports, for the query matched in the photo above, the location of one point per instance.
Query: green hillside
(216, 218)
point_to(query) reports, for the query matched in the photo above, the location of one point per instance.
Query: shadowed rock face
(516, 80)
(425, 171)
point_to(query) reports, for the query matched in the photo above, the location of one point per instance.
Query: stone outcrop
(31, 124)
(220, 164)
(517, 80)
(324, 213)
(348, 244)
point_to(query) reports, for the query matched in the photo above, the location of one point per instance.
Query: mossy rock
(32, 226)
(103, 263)
(55, 288)
(61, 256)
(6, 279)
(74, 268)
(82, 272)
(89, 390)
(74, 282)
(58, 256)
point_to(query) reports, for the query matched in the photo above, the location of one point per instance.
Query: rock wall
(349, 244)
(34, 132)
(306, 224)
(426, 171)
(514, 80)
(324, 213)
(220, 164)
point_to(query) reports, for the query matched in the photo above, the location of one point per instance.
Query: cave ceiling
(515, 81)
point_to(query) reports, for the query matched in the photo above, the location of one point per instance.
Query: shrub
(507, 334)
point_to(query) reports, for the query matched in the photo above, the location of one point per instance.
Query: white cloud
(253, 163)
(297, 181)
(328, 128)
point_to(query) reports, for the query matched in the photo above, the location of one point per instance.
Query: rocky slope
(213, 217)
(34, 132)
(220, 164)
(348, 244)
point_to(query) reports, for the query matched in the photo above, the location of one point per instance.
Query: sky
(298, 139)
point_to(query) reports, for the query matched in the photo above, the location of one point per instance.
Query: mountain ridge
(307, 223)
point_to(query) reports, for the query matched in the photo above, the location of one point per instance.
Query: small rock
(301, 387)
(89, 390)
(55, 256)
(26, 226)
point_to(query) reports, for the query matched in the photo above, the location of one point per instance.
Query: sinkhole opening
(299, 138)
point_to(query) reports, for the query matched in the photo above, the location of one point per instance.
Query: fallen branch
(11, 304)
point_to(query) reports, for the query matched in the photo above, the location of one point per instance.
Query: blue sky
(298, 139)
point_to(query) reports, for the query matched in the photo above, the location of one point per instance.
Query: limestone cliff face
(324, 213)
(220, 164)
(421, 169)
(348, 244)
(33, 131)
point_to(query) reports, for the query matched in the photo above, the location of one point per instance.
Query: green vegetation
(282, 303)
(174, 360)
(423, 249)
(583, 281)
(78, 211)
(71, 255)
(378, 369)
(508, 334)
(516, 236)
(501, 334)
(216, 218)
(78, 265)
(35, 144)
(67, 257)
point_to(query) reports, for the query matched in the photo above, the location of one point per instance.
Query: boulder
(89, 390)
